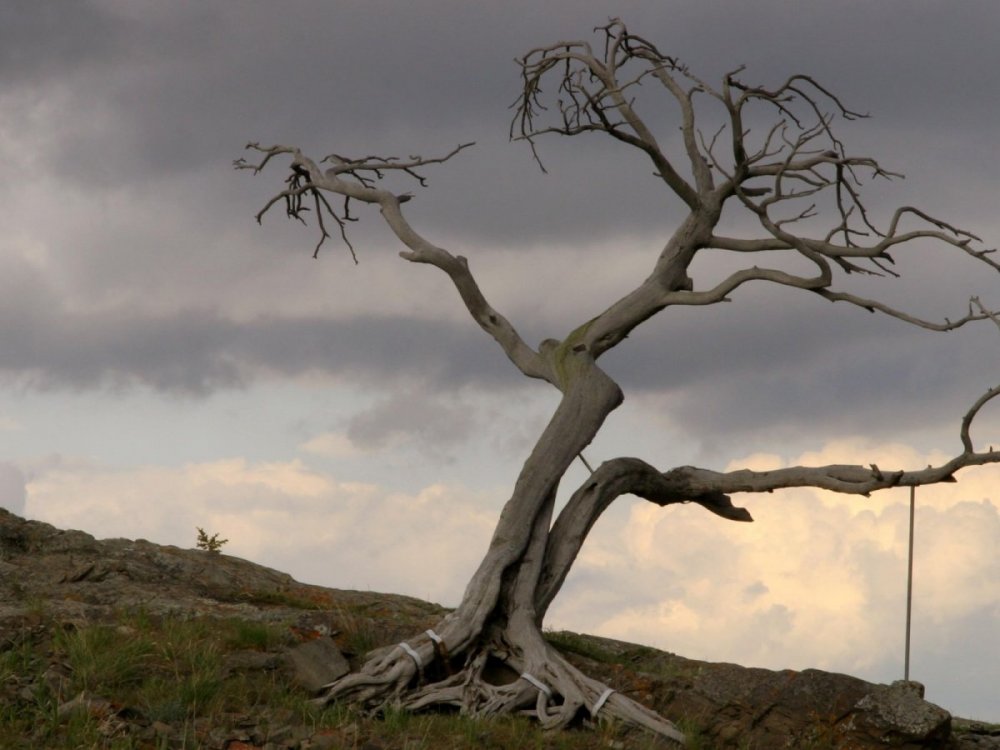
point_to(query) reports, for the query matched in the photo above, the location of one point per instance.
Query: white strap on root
(601, 701)
(537, 683)
(412, 653)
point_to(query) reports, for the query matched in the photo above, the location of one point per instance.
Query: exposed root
(504, 672)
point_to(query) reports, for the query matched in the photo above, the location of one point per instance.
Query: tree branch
(611, 480)
(356, 179)
(872, 305)
(844, 478)
(593, 90)
(712, 490)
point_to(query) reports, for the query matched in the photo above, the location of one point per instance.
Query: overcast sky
(167, 363)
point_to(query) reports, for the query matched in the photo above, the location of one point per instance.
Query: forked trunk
(488, 656)
(521, 534)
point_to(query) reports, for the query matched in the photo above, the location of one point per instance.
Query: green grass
(100, 658)
(254, 636)
(278, 599)
(185, 675)
(581, 646)
(177, 672)
(358, 632)
(169, 670)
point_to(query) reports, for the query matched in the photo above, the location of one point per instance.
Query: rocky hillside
(128, 644)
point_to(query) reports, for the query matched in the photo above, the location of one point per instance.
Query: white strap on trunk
(434, 637)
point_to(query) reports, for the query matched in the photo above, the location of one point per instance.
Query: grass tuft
(580, 645)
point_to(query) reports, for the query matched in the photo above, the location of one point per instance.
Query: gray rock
(898, 716)
(317, 663)
(84, 703)
(975, 735)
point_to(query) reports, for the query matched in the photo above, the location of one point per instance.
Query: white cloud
(284, 515)
(330, 445)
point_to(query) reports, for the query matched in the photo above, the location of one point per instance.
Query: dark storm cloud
(43, 40)
(139, 94)
(762, 366)
(771, 363)
(12, 488)
(432, 425)
(181, 87)
(196, 352)
(828, 378)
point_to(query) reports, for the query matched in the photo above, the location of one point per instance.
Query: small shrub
(209, 543)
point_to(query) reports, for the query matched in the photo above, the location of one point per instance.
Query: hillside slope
(128, 644)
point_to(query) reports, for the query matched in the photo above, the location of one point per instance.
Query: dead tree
(489, 656)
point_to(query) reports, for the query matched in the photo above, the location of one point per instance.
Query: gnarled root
(507, 670)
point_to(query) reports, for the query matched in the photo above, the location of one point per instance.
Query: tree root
(513, 671)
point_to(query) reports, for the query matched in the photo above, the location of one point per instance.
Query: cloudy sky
(166, 363)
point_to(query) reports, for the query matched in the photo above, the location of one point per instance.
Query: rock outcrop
(80, 580)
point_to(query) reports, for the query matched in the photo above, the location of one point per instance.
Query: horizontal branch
(812, 248)
(713, 490)
(844, 478)
(611, 480)
(721, 291)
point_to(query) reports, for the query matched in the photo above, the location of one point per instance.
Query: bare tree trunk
(588, 398)
(493, 641)
(488, 656)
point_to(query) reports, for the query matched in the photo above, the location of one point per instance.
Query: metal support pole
(909, 586)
